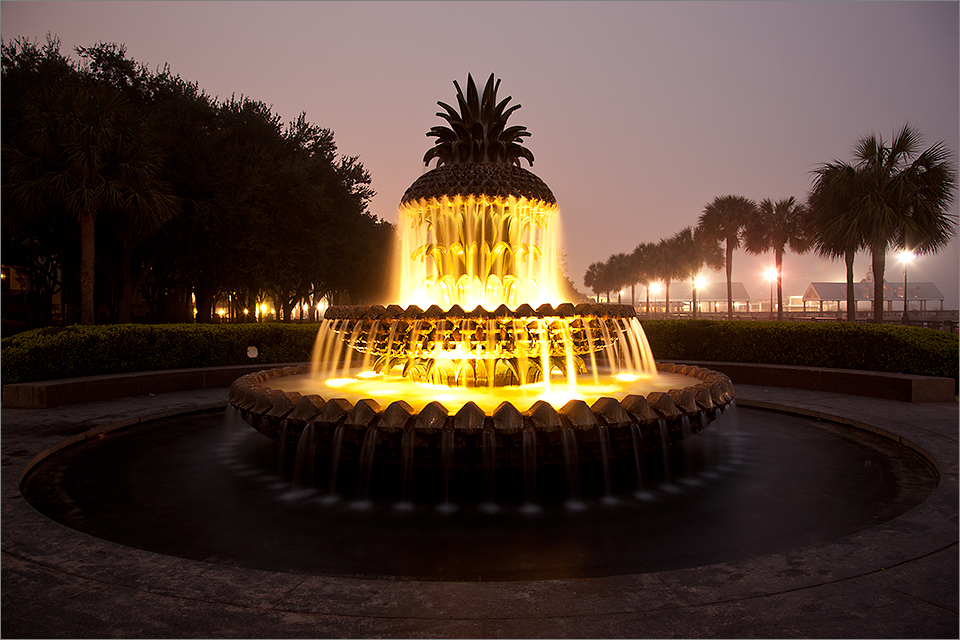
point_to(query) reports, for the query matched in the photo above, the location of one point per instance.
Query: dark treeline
(118, 179)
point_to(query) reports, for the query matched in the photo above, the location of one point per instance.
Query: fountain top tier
(478, 229)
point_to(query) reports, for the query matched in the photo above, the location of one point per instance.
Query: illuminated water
(483, 360)
(478, 250)
(367, 384)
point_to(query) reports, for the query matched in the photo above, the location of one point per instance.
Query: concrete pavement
(898, 579)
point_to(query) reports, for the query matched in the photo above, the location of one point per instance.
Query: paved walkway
(899, 579)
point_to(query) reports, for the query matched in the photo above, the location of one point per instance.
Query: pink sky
(640, 112)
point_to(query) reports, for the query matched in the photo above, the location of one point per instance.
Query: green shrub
(51, 353)
(45, 354)
(838, 345)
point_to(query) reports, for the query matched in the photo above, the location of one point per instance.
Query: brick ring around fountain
(657, 419)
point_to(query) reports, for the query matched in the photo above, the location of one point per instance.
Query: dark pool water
(206, 487)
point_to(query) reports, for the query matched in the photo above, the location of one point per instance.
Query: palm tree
(774, 226)
(692, 251)
(595, 279)
(835, 228)
(620, 269)
(723, 220)
(82, 148)
(670, 264)
(641, 267)
(899, 197)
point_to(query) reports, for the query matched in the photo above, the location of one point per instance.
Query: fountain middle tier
(480, 348)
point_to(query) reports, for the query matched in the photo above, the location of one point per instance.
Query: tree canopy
(210, 198)
(773, 226)
(893, 195)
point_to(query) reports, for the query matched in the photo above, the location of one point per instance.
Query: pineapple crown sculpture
(478, 154)
(479, 132)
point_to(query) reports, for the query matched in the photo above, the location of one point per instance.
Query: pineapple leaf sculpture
(478, 132)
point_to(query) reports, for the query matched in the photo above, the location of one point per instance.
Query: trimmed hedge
(835, 345)
(51, 353)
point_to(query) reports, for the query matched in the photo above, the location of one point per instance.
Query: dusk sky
(641, 113)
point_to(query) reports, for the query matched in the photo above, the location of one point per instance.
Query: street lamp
(698, 283)
(655, 289)
(905, 258)
(771, 276)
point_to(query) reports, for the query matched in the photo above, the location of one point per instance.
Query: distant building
(832, 296)
(711, 298)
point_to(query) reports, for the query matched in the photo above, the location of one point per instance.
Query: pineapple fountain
(481, 366)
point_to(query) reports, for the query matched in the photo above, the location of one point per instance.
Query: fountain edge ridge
(273, 411)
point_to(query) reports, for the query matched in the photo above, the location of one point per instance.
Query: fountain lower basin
(492, 434)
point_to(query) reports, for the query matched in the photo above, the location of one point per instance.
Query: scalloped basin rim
(259, 402)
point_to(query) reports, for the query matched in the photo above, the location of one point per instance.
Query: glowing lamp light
(699, 282)
(246, 311)
(906, 256)
(771, 273)
(656, 287)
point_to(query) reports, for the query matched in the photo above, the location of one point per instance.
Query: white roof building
(917, 292)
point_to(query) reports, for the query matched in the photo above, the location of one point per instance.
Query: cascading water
(478, 251)
(303, 465)
(572, 465)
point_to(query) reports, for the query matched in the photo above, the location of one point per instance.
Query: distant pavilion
(919, 294)
(711, 297)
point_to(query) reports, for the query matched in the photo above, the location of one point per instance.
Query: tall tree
(691, 251)
(620, 273)
(773, 227)
(130, 246)
(641, 267)
(723, 220)
(644, 258)
(597, 279)
(43, 244)
(667, 266)
(904, 201)
(82, 147)
(900, 196)
(836, 230)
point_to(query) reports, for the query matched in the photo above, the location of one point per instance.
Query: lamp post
(698, 283)
(771, 276)
(905, 257)
(655, 289)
